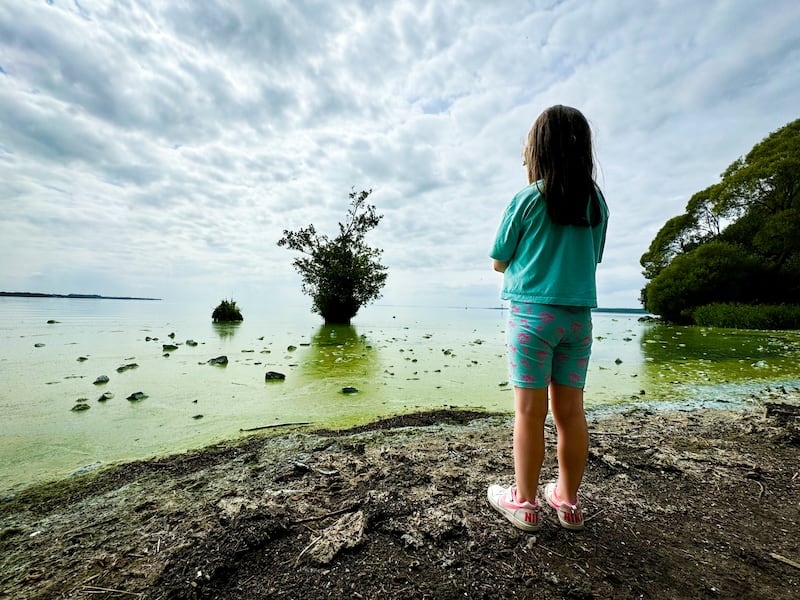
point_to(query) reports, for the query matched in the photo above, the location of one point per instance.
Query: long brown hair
(559, 153)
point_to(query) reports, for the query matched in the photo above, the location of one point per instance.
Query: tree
(739, 239)
(341, 274)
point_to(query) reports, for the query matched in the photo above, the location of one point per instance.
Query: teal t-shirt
(548, 263)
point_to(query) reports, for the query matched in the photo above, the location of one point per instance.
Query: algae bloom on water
(226, 312)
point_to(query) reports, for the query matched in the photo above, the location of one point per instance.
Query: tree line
(733, 258)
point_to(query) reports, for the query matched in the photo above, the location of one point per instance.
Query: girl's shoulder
(528, 199)
(528, 195)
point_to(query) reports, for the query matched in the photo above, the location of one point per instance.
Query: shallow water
(399, 359)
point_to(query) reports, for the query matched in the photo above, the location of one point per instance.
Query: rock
(191, 343)
(274, 376)
(291, 348)
(86, 469)
(52, 321)
(80, 406)
(127, 367)
(105, 396)
(171, 335)
(38, 345)
(168, 347)
(349, 390)
(148, 339)
(82, 359)
(197, 417)
(220, 360)
(101, 380)
(136, 396)
(618, 361)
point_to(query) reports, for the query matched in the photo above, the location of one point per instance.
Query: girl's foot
(569, 515)
(524, 515)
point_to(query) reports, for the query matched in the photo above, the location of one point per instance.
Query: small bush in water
(227, 311)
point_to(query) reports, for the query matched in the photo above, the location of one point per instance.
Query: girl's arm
(499, 265)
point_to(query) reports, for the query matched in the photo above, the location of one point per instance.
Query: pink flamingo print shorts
(548, 343)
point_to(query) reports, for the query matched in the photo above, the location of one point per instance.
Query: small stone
(172, 336)
(101, 380)
(219, 360)
(105, 396)
(80, 407)
(148, 339)
(52, 321)
(618, 361)
(127, 367)
(197, 417)
(274, 376)
(191, 343)
(169, 347)
(503, 384)
(82, 359)
(291, 348)
(136, 396)
(349, 390)
(38, 345)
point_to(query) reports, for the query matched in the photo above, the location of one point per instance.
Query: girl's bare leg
(530, 410)
(573, 439)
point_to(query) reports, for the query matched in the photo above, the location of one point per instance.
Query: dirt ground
(700, 504)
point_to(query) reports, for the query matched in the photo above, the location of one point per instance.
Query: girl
(549, 242)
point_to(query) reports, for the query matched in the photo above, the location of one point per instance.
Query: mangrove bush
(341, 274)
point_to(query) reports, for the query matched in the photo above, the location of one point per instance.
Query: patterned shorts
(548, 343)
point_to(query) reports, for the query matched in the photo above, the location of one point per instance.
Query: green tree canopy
(739, 239)
(344, 273)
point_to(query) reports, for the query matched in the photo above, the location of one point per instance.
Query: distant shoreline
(73, 296)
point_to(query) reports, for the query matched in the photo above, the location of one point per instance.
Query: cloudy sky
(160, 148)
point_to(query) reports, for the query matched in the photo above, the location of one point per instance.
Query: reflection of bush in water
(338, 350)
(226, 329)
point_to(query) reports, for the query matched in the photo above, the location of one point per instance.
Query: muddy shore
(695, 504)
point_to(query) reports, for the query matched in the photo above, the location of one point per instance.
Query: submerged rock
(80, 406)
(191, 343)
(168, 347)
(123, 368)
(101, 380)
(274, 376)
(82, 359)
(105, 396)
(86, 469)
(136, 396)
(349, 390)
(220, 360)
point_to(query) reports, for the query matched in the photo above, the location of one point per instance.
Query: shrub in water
(227, 311)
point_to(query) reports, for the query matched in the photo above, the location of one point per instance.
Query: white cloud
(162, 148)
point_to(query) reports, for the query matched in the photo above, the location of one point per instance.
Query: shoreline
(679, 505)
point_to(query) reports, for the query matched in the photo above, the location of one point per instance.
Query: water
(399, 358)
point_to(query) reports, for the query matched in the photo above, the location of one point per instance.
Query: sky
(161, 148)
